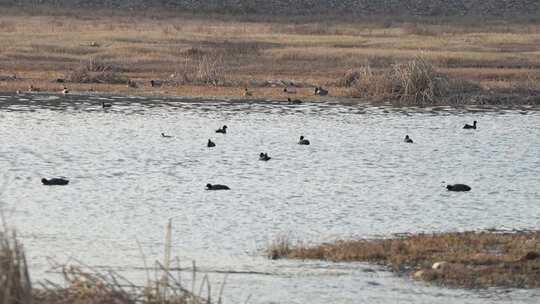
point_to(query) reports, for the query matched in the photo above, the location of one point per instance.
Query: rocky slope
(310, 7)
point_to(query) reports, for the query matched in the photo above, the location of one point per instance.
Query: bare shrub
(207, 69)
(210, 70)
(279, 248)
(349, 79)
(415, 82)
(370, 84)
(94, 71)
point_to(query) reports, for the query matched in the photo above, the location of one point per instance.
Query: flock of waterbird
(263, 156)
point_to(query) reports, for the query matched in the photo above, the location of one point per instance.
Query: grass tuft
(15, 284)
(94, 71)
(414, 82)
(85, 285)
(466, 259)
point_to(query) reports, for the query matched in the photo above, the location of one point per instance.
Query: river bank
(406, 61)
(465, 259)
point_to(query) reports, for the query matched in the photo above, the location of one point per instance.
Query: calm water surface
(357, 179)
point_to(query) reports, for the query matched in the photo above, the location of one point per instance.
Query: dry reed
(414, 82)
(83, 284)
(15, 284)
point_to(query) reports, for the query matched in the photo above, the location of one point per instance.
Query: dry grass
(15, 284)
(85, 285)
(231, 51)
(415, 82)
(93, 71)
(471, 259)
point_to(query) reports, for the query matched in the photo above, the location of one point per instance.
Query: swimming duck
(166, 136)
(458, 187)
(467, 126)
(222, 130)
(210, 144)
(106, 105)
(247, 92)
(264, 157)
(54, 182)
(303, 141)
(296, 101)
(408, 139)
(320, 91)
(65, 91)
(216, 187)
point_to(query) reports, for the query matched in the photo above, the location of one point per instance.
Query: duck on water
(408, 139)
(458, 187)
(468, 126)
(264, 157)
(222, 130)
(54, 181)
(216, 187)
(303, 141)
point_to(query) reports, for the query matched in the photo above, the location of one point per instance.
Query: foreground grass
(464, 259)
(198, 56)
(83, 285)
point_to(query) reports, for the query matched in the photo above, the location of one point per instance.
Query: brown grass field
(218, 56)
(465, 259)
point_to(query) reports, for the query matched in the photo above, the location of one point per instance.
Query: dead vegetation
(15, 284)
(457, 259)
(94, 71)
(414, 82)
(183, 51)
(84, 285)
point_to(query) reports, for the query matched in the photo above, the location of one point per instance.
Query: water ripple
(357, 179)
